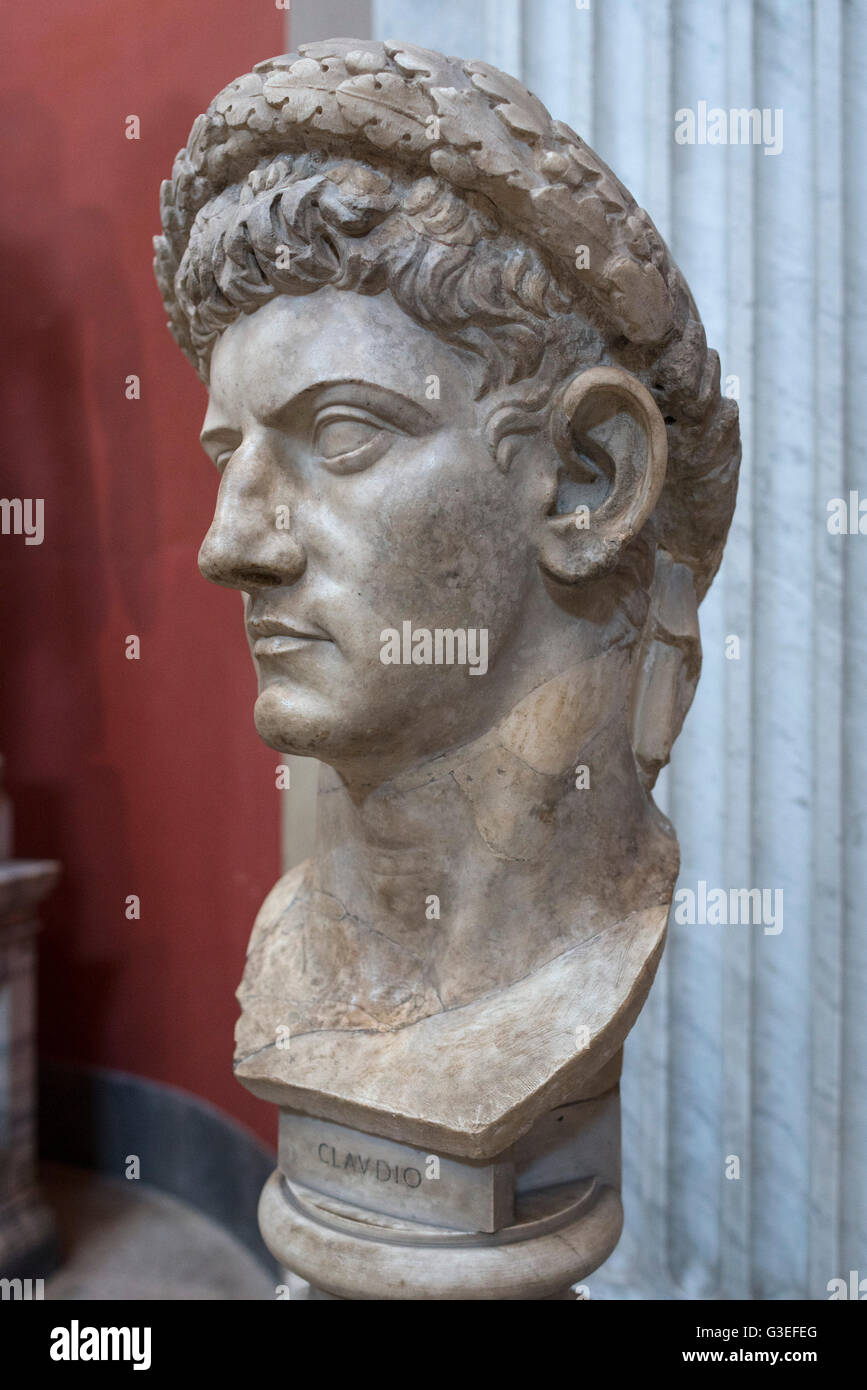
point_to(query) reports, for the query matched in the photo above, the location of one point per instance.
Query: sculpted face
(353, 501)
(350, 503)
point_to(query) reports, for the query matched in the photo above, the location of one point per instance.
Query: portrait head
(455, 380)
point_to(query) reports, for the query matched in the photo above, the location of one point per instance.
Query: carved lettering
(364, 1166)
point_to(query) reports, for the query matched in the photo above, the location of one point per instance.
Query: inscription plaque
(395, 1179)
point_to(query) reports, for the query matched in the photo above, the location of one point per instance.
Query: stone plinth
(359, 1216)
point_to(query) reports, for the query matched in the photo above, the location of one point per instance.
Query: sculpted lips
(276, 636)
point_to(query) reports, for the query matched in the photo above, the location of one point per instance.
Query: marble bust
(475, 477)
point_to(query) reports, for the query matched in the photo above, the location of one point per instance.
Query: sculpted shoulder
(277, 902)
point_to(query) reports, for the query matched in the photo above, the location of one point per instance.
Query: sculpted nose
(252, 542)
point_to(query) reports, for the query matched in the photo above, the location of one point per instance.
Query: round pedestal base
(560, 1237)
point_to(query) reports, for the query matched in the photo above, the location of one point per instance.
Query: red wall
(143, 776)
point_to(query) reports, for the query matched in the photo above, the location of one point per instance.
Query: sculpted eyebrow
(403, 410)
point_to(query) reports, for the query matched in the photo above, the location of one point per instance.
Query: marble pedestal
(27, 1236)
(359, 1216)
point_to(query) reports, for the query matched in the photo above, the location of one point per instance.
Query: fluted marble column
(752, 1045)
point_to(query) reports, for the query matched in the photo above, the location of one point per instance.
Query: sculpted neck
(481, 864)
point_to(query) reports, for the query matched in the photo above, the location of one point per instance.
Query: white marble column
(752, 1045)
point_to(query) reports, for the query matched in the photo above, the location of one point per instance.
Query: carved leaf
(363, 60)
(642, 299)
(560, 219)
(390, 109)
(324, 49)
(477, 132)
(521, 111)
(299, 103)
(411, 59)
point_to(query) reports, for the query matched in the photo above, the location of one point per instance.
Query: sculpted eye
(348, 440)
(336, 437)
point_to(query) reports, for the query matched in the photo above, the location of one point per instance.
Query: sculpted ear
(613, 450)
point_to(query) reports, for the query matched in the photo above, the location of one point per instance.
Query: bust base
(528, 1226)
(539, 1257)
(359, 1216)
